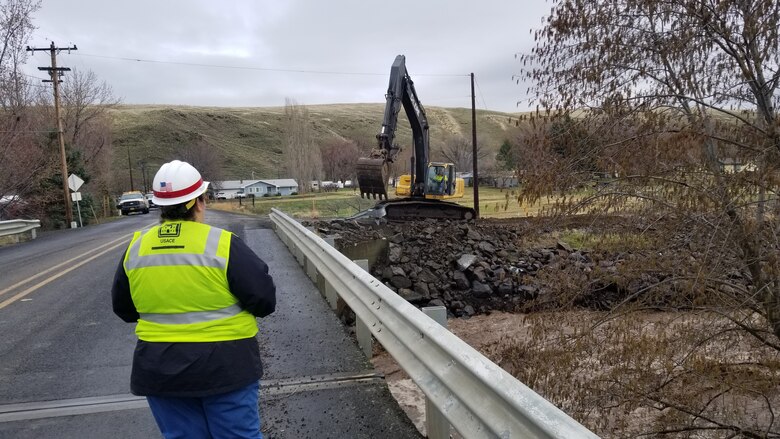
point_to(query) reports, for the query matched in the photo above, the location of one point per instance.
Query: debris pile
(474, 268)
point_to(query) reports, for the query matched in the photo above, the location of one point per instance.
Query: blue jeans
(228, 415)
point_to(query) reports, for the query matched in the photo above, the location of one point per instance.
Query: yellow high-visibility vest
(178, 282)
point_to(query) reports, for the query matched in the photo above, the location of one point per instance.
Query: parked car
(133, 201)
(149, 200)
(224, 196)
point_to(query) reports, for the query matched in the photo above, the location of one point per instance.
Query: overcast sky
(257, 53)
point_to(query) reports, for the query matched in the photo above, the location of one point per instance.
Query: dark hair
(179, 212)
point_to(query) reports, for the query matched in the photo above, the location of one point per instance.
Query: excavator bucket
(372, 177)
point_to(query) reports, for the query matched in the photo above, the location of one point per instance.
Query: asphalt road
(65, 358)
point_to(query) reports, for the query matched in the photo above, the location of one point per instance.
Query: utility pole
(130, 168)
(474, 148)
(55, 73)
(144, 187)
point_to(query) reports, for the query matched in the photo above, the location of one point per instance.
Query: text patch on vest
(169, 230)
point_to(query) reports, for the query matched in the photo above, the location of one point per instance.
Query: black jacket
(201, 369)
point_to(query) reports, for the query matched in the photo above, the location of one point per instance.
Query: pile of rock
(469, 268)
(475, 268)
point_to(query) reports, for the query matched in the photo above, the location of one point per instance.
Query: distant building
(731, 165)
(257, 188)
(284, 186)
(498, 180)
(231, 188)
(504, 180)
(317, 185)
(468, 177)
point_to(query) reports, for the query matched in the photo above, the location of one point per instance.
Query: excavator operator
(438, 180)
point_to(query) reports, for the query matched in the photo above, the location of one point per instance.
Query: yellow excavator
(429, 184)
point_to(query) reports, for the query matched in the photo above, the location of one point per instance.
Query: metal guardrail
(476, 396)
(15, 227)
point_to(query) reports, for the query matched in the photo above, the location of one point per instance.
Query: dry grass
(633, 375)
(670, 374)
(494, 203)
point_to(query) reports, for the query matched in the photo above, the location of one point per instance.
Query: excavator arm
(372, 171)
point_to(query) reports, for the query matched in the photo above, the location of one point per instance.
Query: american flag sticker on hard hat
(165, 186)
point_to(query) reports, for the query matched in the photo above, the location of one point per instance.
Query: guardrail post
(362, 332)
(436, 425)
(331, 296)
(311, 270)
(298, 253)
(308, 266)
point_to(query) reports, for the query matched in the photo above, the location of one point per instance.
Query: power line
(262, 69)
(27, 131)
(484, 104)
(35, 77)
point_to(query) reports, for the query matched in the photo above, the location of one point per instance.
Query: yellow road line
(56, 276)
(116, 243)
(31, 278)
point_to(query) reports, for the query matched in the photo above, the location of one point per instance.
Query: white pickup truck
(221, 195)
(132, 201)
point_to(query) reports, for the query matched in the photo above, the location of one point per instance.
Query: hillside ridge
(249, 141)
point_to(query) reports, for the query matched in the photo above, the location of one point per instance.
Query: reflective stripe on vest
(208, 258)
(192, 317)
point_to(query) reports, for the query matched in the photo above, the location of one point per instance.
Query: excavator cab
(439, 179)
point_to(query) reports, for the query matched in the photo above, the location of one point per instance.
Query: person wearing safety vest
(194, 291)
(438, 180)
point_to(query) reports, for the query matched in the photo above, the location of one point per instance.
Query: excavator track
(404, 209)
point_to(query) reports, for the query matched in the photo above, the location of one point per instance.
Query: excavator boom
(372, 171)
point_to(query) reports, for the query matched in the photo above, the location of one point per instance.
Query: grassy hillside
(250, 140)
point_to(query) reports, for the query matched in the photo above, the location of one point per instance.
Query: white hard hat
(177, 182)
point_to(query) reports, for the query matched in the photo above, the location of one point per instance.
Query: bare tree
(15, 30)
(678, 98)
(23, 157)
(301, 155)
(85, 99)
(459, 150)
(86, 102)
(205, 157)
(338, 159)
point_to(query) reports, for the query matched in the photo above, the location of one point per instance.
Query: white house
(258, 188)
(231, 188)
(235, 188)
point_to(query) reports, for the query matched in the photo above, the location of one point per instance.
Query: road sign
(74, 182)
(76, 196)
